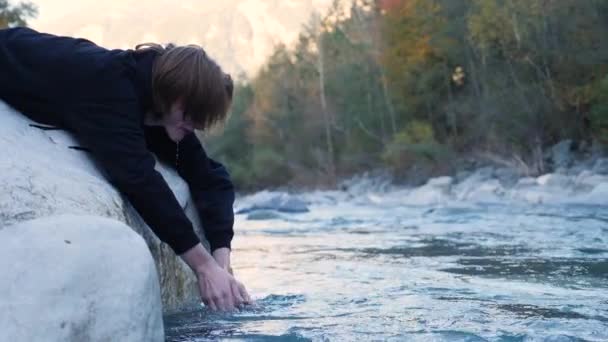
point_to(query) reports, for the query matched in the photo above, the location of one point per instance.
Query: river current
(378, 270)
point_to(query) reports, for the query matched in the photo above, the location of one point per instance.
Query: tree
(411, 85)
(11, 16)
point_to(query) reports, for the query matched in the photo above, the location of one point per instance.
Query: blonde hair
(188, 74)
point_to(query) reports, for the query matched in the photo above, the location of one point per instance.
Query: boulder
(77, 278)
(278, 201)
(41, 176)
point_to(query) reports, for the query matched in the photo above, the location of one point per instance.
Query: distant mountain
(239, 34)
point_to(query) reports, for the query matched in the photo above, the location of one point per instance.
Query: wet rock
(77, 278)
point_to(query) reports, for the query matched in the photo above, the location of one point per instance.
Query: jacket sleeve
(209, 183)
(116, 139)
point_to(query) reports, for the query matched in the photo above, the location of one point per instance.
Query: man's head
(190, 91)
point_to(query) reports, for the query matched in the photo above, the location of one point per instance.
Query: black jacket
(101, 96)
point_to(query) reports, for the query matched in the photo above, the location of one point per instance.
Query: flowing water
(366, 271)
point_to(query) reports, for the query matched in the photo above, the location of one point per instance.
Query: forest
(417, 89)
(421, 88)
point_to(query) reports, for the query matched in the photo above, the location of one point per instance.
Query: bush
(269, 167)
(414, 153)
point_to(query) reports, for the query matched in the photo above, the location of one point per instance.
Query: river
(378, 270)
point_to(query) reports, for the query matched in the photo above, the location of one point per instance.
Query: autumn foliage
(416, 86)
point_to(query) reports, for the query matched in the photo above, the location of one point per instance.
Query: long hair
(188, 74)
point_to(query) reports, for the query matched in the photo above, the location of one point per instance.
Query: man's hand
(222, 257)
(218, 289)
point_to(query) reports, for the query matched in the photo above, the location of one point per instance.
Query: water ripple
(345, 272)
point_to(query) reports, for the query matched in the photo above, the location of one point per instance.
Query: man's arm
(210, 185)
(118, 145)
(222, 257)
(212, 191)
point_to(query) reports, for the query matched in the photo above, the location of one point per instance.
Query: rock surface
(270, 200)
(488, 185)
(77, 278)
(41, 176)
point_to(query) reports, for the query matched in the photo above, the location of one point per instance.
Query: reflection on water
(348, 271)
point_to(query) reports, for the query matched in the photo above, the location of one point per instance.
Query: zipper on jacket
(176, 155)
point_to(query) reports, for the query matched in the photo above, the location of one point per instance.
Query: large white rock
(77, 278)
(41, 176)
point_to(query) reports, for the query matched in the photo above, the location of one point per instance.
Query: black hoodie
(101, 97)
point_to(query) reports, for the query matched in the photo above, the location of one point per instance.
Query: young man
(124, 104)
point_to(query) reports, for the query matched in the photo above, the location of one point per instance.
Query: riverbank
(572, 176)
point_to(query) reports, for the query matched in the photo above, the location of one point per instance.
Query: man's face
(176, 125)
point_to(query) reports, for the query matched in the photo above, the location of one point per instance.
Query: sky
(239, 34)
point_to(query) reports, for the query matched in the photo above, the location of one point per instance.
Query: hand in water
(243, 292)
(220, 290)
(222, 257)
